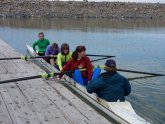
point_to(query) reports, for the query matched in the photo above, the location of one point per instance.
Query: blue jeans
(84, 81)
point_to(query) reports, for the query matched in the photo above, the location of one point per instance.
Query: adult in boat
(81, 61)
(64, 56)
(42, 44)
(110, 85)
(51, 51)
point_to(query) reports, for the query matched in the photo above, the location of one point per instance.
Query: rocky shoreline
(73, 9)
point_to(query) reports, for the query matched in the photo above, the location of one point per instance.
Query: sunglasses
(65, 48)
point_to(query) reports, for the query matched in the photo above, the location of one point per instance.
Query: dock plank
(79, 105)
(20, 110)
(43, 106)
(7, 51)
(4, 114)
(63, 104)
(67, 101)
(38, 101)
(3, 70)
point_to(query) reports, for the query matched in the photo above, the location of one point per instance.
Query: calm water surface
(137, 45)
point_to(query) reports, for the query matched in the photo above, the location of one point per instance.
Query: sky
(145, 1)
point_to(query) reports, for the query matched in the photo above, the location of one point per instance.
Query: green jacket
(42, 45)
(63, 58)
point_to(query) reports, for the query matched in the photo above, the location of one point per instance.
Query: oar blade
(140, 72)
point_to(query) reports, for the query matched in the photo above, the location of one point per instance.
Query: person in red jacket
(81, 61)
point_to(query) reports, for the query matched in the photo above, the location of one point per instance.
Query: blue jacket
(110, 87)
(51, 51)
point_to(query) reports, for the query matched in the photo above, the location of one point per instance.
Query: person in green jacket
(64, 56)
(42, 44)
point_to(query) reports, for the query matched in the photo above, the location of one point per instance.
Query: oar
(47, 75)
(100, 55)
(28, 57)
(133, 71)
(55, 56)
(20, 79)
(142, 77)
(99, 59)
(44, 75)
(140, 72)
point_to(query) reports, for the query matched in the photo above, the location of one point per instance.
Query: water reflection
(137, 45)
(83, 24)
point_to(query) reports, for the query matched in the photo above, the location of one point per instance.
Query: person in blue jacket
(52, 50)
(110, 85)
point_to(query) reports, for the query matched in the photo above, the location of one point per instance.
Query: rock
(75, 9)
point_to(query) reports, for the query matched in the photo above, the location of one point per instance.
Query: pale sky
(142, 1)
(145, 1)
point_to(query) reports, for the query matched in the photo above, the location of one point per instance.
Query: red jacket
(80, 64)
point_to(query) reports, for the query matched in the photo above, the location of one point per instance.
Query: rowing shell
(121, 112)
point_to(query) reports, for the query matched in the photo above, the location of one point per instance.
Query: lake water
(137, 44)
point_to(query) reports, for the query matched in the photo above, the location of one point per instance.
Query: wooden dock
(38, 101)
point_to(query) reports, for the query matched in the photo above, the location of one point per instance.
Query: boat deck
(38, 101)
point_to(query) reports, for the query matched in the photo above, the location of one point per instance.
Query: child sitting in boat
(81, 61)
(110, 86)
(42, 44)
(64, 56)
(51, 51)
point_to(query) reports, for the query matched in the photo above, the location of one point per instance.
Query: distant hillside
(61, 9)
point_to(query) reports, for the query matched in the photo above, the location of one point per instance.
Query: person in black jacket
(110, 86)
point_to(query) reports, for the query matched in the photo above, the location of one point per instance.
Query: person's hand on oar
(35, 54)
(59, 76)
